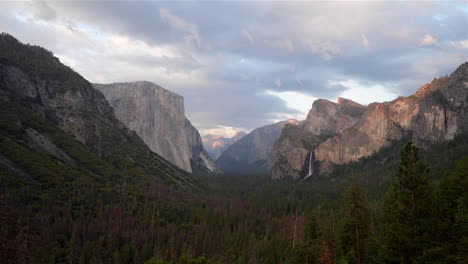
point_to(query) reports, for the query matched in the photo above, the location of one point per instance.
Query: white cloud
(365, 93)
(462, 44)
(294, 100)
(428, 40)
(225, 131)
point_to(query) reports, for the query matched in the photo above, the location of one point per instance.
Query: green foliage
(308, 250)
(354, 225)
(408, 217)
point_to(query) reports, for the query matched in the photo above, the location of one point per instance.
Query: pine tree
(354, 225)
(307, 251)
(452, 215)
(408, 211)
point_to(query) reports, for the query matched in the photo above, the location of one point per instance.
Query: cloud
(282, 43)
(180, 24)
(428, 40)
(248, 36)
(364, 40)
(295, 100)
(460, 45)
(326, 49)
(42, 10)
(240, 69)
(277, 81)
(365, 93)
(226, 131)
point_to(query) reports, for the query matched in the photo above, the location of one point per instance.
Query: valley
(116, 173)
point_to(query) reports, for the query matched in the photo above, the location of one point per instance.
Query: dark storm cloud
(224, 56)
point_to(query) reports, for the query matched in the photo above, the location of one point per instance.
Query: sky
(243, 64)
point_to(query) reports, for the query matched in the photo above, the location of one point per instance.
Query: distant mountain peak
(215, 145)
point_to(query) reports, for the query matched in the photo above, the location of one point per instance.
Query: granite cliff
(158, 117)
(54, 111)
(216, 145)
(435, 113)
(293, 154)
(332, 135)
(252, 153)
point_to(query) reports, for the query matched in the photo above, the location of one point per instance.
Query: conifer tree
(354, 225)
(408, 211)
(307, 250)
(452, 215)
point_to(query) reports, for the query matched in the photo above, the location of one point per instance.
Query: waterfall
(311, 154)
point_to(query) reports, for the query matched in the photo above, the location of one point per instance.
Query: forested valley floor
(389, 208)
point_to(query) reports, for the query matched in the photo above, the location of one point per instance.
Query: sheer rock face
(216, 145)
(291, 155)
(158, 117)
(435, 113)
(254, 151)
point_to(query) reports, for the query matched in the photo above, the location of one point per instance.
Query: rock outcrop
(252, 154)
(435, 113)
(333, 135)
(292, 155)
(158, 117)
(216, 145)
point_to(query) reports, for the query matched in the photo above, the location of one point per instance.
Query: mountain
(158, 117)
(437, 112)
(54, 122)
(216, 145)
(252, 153)
(292, 151)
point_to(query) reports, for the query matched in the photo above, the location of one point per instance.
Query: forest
(401, 205)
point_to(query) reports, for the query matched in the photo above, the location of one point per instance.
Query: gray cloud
(224, 56)
(42, 10)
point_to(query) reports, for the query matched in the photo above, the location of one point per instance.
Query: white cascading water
(310, 165)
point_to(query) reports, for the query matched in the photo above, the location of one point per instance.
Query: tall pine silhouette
(408, 211)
